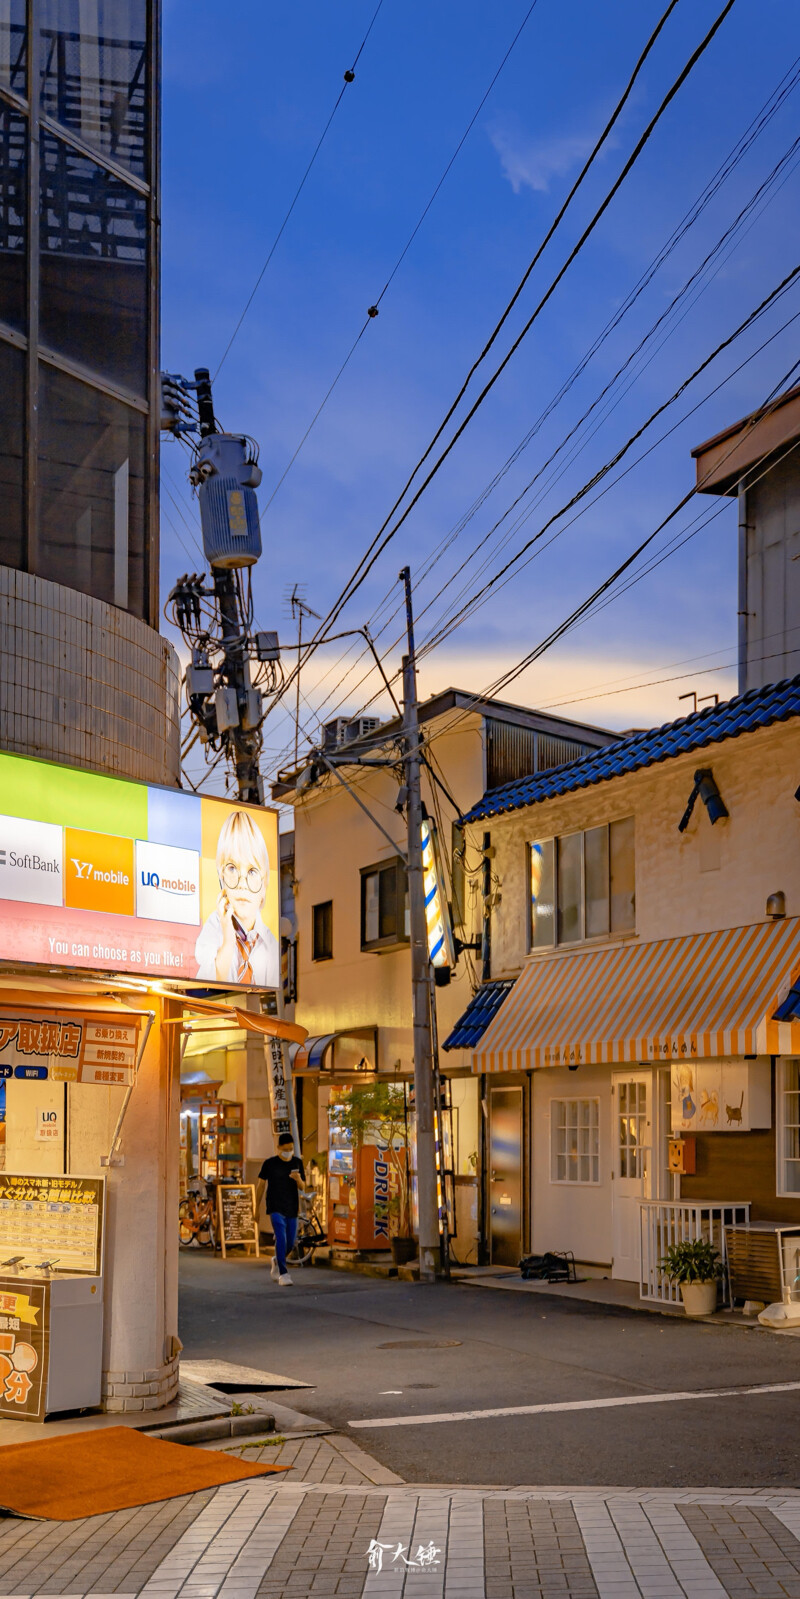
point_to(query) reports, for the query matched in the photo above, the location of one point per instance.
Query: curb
(200, 1432)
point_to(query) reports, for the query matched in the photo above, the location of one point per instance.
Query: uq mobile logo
(170, 885)
(28, 863)
(95, 874)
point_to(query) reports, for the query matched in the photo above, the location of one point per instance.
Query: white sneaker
(274, 1268)
(282, 1281)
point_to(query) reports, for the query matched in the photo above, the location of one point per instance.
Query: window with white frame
(574, 1140)
(788, 1130)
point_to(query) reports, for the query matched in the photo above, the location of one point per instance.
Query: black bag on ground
(551, 1267)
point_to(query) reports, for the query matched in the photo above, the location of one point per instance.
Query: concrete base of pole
(428, 1265)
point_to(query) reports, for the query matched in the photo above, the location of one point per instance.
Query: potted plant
(377, 1113)
(697, 1267)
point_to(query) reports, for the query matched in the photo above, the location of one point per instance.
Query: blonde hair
(240, 840)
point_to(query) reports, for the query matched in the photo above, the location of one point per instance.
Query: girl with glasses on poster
(234, 945)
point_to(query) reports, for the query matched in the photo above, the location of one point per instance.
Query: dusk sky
(248, 89)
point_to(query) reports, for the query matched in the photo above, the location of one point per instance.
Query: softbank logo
(167, 883)
(31, 858)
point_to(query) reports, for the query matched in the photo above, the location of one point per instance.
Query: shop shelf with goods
(222, 1142)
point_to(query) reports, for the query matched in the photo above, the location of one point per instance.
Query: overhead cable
(374, 309)
(383, 537)
(348, 79)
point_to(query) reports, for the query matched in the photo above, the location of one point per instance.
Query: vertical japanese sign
(24, 1349)
(279, 1087)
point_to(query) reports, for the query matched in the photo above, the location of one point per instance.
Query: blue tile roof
(483, 1006)
(789, 1011)
(758, 708)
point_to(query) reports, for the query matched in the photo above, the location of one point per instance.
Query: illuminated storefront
(128, 914)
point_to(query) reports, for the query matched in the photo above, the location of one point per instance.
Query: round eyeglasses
(232, 877)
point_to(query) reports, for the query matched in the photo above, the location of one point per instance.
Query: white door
(633, 1138)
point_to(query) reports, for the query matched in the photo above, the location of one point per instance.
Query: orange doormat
(90, 1473)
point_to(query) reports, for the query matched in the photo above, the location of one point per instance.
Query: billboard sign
(100, 873)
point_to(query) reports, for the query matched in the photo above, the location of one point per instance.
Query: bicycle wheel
(185, 1225)
(304, 1245)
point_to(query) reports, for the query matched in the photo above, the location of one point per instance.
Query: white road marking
(692, 1395)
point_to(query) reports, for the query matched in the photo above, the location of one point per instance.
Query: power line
(768, 110)
(367, 561)
(382, 538)
(348, 79)
(614, 460)
(589, 606)
(374, 308)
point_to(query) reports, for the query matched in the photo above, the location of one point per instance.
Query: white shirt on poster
(264, 955)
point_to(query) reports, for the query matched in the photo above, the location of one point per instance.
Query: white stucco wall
(704, 879)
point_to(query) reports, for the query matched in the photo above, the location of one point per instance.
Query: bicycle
(310, 1232)
(196, 1222)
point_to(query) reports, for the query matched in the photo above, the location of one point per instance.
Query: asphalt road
(378, 1349)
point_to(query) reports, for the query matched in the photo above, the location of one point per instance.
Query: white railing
(666, 1222)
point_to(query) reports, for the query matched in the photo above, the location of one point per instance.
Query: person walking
(283, 1175)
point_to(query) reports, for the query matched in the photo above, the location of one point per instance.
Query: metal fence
(666, 1222)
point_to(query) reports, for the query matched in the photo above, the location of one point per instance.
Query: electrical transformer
(226, 476)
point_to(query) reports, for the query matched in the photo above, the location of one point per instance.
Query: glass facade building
(79, 285)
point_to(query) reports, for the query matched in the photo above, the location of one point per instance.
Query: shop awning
(254, 1021)
(313, 1055)
(710, 995)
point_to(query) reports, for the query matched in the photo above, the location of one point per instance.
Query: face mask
(286, 1154)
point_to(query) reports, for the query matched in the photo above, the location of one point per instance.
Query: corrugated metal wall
(513, 752)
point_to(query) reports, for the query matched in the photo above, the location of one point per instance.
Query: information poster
(69, 1047)
(237, 1215)
(24, 1340)
(55, 1219)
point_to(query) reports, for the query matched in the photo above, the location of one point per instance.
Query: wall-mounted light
(776, 905)
(706, 789)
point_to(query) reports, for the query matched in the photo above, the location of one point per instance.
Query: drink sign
(236, 1207)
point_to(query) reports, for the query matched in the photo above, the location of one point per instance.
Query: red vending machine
(359, 1187)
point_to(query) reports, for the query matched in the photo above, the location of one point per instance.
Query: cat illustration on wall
(734, 1112)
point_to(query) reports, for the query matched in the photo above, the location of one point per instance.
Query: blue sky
(247, 91)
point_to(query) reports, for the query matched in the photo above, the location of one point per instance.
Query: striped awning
(710, 995)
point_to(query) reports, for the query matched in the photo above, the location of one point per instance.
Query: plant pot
(699, 1299)
(403, 1250)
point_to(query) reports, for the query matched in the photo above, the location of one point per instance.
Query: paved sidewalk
(340, 1526)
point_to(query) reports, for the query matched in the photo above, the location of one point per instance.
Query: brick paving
(748, 1549)
(341, 1526)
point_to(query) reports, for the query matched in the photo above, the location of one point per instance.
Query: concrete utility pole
(423, 1052)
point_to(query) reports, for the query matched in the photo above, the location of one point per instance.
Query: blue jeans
(285, 1230)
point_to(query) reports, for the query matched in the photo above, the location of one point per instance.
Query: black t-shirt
(282, 1192)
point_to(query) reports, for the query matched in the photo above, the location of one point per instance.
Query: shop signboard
(97, 872)
(52, 1219)
(24, 1339)
(69, 1046)
(237, 1215)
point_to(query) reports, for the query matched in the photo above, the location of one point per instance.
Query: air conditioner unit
(335, 732)
(763, 1260)
(360, 728)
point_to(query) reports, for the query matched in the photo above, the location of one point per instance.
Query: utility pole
(299, 608)
(423, 1051)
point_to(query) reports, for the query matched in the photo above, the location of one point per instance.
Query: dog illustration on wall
(709, 1108)
(734, 1112)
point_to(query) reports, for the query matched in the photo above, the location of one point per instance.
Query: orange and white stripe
(709, 995)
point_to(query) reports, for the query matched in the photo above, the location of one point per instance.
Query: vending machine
(359, 1189)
